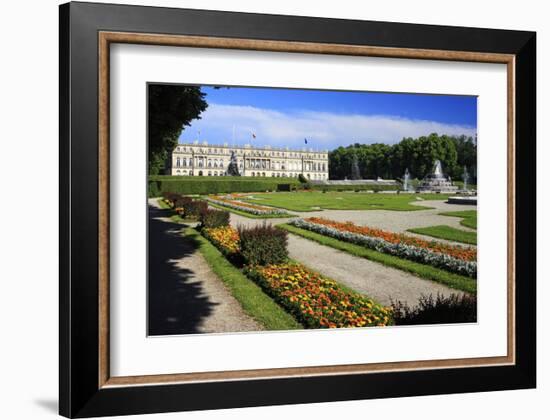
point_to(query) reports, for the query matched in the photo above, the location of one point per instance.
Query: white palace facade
(203, 159)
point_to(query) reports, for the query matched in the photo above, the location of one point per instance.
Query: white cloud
(324, 130)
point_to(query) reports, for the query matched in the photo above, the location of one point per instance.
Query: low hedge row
(356, 188)
(215, 185)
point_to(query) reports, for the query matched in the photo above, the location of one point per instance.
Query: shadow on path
(176, 302)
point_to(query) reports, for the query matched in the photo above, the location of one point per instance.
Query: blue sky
(328, 119)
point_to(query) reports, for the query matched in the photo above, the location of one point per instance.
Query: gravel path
(185, 295)
(394, 221)
(373, 279)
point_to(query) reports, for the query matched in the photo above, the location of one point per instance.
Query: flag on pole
(253, 135)
(305, 141)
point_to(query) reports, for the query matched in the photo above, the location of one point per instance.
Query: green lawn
(449, 233)
(250, 215)
(451, 280)
(311, 201)
(469, 217)
(251, 297)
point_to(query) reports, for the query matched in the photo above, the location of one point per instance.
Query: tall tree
(385, 161)
(171, 108)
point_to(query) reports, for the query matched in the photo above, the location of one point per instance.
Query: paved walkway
(185, 296)
(376, 280)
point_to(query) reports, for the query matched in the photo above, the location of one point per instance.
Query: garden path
(185, 295)
(397, 221)
(376, 280)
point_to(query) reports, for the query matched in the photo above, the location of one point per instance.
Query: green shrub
(454, 308)
(180, 202)
(194, 208)
(214, 218)
(283, 187)
(263, 244)
(171, 196)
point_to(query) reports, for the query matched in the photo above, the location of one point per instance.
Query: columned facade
(203, 159)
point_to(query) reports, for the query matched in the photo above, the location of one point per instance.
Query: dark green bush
(263, 245)
(452, 309)
(194, 208)
(181, 201)
(171, 196)
(214, 218)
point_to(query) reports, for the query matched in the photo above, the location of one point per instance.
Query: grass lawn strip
(253, 300)
(469, 217)
(250, 215)
(449, 233)
(312, 201)
(454, 281)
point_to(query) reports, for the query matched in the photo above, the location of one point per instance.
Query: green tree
(171, 108)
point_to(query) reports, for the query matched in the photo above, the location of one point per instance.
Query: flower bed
(318, 302)
(246, 207)
(456, 259)
(312, 299)
(225, 238)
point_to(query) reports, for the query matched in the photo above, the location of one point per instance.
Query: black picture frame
(79, 384)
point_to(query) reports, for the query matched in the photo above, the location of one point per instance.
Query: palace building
(203, 159)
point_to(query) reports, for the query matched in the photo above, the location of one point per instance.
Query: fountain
(437, 182)
(355, 173)
(406, 179)
(466, 196)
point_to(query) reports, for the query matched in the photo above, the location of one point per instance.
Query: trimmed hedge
(356, 188)
(263, 245)
(214, 185)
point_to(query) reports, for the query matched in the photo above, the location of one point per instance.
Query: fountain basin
(472, 200)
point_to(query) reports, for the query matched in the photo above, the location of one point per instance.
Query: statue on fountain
(437, 182)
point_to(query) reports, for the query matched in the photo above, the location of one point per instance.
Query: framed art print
(260, 209)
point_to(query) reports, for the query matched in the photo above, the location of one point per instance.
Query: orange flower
(456, 251)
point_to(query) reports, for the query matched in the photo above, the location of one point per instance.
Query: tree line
(418, 155)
